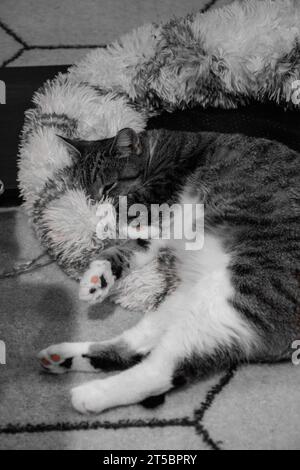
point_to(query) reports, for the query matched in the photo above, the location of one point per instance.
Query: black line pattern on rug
(196, 423)
(69, 46)
(27, 47)
(13, 34)
(205, 406)
(15, 56)
(94, 425)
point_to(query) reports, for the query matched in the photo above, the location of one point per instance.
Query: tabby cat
(235, 300)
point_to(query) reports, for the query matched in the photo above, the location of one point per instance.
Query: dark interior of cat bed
(255, 120)
(21, 83)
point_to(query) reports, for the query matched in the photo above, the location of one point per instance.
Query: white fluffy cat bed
(224, 58)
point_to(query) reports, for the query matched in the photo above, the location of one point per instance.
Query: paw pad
(95, 280)
(55, 358)
(96, 283)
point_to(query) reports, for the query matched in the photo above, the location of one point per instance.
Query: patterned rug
(254, 407)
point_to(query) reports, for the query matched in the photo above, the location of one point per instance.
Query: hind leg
(151, 377)
(119, 353)
(198, 334)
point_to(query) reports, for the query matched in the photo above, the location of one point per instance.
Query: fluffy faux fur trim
(224, 57)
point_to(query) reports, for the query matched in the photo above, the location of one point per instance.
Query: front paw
(89, 398)
(96, 282)
(59, 358)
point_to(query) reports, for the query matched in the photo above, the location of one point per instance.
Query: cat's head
(105, 164)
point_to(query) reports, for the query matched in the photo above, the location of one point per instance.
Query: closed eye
(130, 177)
(108, 187)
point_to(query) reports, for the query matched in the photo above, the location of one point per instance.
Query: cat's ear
(75, 147)
(127, 142)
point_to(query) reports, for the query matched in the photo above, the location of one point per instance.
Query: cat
(233, 301)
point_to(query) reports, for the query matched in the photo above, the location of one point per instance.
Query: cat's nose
(92, 290)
